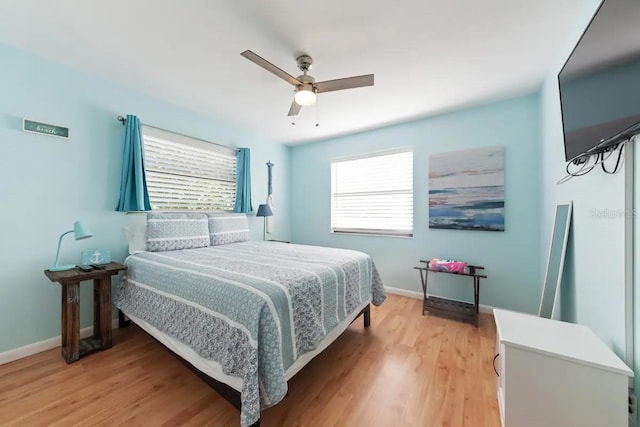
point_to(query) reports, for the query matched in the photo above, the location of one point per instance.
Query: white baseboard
(39, 347)
(418, 295)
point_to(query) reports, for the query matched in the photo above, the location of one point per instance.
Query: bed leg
(122, 322)
(367, 316)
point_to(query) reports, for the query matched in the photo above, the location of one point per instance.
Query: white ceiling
(428, 56)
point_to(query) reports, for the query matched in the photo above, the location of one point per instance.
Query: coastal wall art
(466, 189)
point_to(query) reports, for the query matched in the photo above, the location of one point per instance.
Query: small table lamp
(264, 211)
(80, 233)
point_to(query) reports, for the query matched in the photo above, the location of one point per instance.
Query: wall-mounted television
(600, 82)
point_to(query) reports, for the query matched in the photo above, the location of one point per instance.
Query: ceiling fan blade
(346, 83)
(295, 108)
(270, 67)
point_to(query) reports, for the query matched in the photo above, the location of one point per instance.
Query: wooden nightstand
(72, 346)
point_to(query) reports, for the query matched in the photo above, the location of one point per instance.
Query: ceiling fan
(306, 87)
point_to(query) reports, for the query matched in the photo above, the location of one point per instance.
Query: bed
(248, 314)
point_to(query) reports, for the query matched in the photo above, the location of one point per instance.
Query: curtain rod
(124, 121)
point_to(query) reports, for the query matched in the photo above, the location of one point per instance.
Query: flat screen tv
(600, 82)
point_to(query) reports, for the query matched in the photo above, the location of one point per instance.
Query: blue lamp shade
(80, 232)
(264, 210)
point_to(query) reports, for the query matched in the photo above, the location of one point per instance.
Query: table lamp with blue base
(80, 233)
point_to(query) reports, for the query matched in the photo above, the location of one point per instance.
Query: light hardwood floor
(405, 370)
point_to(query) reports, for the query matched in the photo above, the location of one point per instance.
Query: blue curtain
(133, 183)
(243, 181)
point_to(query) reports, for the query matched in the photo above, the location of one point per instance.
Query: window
(373, 194)
(185, 173)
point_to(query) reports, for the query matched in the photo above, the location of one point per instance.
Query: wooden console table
(72, 346)
(448, 307)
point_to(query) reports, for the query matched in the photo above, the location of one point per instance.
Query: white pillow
(137, 237)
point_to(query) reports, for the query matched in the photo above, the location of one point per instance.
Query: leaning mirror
(555, 263)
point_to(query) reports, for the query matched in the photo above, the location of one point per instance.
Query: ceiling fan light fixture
(305, 95)
(306, 89)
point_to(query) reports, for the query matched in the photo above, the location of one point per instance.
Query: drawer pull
(494, 364)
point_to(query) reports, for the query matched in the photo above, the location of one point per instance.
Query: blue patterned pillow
(228, 227)
(172, 231)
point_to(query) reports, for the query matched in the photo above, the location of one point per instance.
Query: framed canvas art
(466, 189)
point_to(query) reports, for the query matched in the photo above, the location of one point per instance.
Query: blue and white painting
(466, 189)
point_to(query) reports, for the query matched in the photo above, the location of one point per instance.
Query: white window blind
(185, 173)
(373, 194)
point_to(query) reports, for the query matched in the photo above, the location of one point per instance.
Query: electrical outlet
(633, 408)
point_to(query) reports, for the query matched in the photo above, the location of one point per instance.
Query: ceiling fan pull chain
(293, 119)
(317, 108)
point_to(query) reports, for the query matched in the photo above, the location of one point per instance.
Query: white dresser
(553, 373)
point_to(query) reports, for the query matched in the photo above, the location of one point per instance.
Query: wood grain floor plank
(406, 370)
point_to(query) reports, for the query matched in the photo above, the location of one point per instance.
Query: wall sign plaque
(45, 129)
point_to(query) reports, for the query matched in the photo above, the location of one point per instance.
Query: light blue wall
(46, 183)
(593, 290)
(511, 258)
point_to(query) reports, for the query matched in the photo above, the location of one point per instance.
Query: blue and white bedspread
(253, 307)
